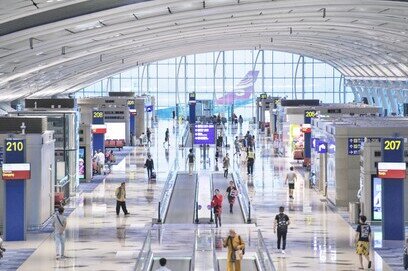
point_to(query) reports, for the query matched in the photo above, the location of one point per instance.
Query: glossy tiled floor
(97, 239)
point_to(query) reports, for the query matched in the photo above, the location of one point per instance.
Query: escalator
(179, 264)
(247, 264)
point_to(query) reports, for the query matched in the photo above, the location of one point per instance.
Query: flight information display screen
(204, 134)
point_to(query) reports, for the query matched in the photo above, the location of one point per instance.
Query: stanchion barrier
(158, 213)
(196, 213)
(211, 216)
(249, 220)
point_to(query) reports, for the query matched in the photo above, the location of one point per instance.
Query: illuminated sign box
(389, 170)
(306, 128)
(98, 128)
(204, 134)
(17, 171)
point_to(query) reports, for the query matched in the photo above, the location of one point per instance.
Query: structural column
(140, 116)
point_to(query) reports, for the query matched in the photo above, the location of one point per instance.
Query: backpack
(191, 158)
(282, 222)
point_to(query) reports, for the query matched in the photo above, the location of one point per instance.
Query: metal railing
(215, 259)
(264, 257)
(196, 220)
(243, 195)
(185, 135)
(145, 255)
(167, 191)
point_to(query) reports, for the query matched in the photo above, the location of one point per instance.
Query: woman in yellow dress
(233, 242)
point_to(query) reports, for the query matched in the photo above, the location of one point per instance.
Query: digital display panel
(16, 171)
(115, 130)
(376, 199)
(81, 163)
(204, 134)
(389, 170)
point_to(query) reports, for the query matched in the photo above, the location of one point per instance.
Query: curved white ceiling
(361, 38)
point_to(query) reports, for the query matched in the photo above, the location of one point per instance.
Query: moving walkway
(181, 206)
(222, 183)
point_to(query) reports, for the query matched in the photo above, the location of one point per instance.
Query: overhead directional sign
(314, 140)
(321, 147)
(354, 144)
(149, 108)
(331, 147)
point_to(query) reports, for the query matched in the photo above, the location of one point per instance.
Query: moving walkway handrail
(185, 134)
(215, 259)
(244, 196)
(196, 220)
(263, 254)
(167, 191)
(145, 255)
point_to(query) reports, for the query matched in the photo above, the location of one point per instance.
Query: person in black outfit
(231, 194)
(148, 134)
(166, 138)
(281, 224)
(149, 165)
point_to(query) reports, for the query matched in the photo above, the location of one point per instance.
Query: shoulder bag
(239, 253)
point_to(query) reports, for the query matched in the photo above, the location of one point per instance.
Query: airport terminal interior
(226, 135)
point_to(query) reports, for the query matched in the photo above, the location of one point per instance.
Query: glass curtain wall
(229, 79)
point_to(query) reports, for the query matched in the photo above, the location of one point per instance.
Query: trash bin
(354, 212)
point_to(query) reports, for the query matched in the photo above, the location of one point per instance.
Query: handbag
(238, 254)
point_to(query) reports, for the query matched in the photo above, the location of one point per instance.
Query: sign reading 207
(392, 145)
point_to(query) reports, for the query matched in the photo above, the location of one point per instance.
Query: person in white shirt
(163, 263)
(2, 249)
(101, 160)
(290, 179)
(59, 222)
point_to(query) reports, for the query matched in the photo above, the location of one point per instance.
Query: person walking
(2, 249)
(362, 239)
(280, 226)
(235, 250)
(231, 193)
(163, 263)
(120, 194)
(100, 161)
(149, 165)
(240, 120)
(191, 160)
(166, 142)
(226, 164)
(237, 146)
(59, 222)
(250, 161)
(216, 203)
(148, 134)
(291, 178)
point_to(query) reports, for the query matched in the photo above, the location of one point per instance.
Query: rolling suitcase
(153, 176)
